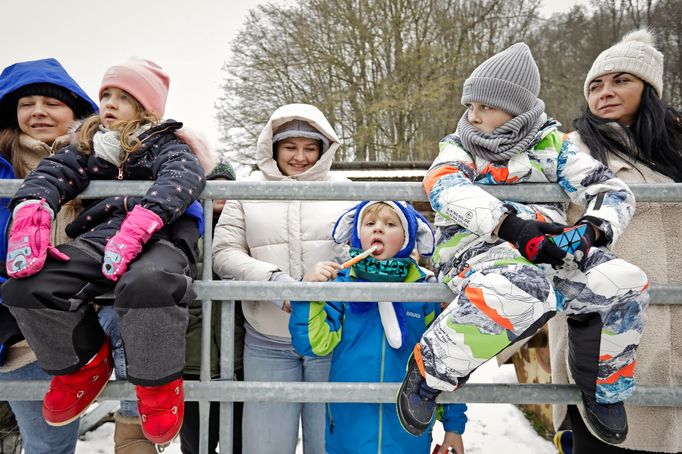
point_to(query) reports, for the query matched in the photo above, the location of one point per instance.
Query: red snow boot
(70, 395)
(161, 410)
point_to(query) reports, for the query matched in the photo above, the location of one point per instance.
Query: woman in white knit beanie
(627, 126)
(625, 113)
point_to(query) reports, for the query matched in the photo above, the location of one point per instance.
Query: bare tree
(389, 73)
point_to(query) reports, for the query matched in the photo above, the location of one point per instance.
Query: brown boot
(128, 437)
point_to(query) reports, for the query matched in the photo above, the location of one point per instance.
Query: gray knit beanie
(222, 170)
(634, 54)
(300, 128)
(509, 81)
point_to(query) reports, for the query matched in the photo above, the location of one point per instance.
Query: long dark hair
(654, 139)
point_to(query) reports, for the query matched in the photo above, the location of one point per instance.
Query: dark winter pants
(55, 314)
(189, 434)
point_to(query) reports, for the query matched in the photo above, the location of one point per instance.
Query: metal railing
(226, 391)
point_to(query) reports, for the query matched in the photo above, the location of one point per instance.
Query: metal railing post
(227, 332)
(206, 312)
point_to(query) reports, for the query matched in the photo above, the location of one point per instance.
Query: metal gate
(226, 391)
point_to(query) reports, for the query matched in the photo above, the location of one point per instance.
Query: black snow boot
(608, 422)
(416, 403)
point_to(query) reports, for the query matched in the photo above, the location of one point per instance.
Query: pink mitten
(29, 240)
(126, 244)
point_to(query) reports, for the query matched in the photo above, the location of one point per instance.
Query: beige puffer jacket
(651, 242)
(255, 238)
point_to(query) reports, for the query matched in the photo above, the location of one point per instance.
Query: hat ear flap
(425, 238)
(343, 229)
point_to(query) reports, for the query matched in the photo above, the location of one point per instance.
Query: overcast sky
(189, 38)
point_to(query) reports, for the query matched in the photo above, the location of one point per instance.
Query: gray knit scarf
(504, 142)
(107, 144)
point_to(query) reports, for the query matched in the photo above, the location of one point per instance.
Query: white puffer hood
(287, 113)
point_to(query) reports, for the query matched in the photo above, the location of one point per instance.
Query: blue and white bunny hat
(418, 232)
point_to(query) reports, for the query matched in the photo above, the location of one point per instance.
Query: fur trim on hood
(200, 146)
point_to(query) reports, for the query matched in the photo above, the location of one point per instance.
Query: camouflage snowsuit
(502, 297)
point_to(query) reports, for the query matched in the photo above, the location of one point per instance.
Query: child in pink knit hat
(141, 249)
(144, 80)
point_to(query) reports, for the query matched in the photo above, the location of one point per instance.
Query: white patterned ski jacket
(467, 215)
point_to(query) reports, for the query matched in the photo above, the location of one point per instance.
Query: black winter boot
(608, 422)
(416, 403)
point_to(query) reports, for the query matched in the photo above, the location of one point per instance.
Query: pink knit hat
(143, 79)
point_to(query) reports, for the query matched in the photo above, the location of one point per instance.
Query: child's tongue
(379, 248)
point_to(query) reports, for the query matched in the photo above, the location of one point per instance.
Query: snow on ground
(492, 428)
(498, 428)
(101, 441)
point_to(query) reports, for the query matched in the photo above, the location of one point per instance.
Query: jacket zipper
(381, 405)
(120, 168)
(331, 419)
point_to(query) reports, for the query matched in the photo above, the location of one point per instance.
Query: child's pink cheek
(397, 240)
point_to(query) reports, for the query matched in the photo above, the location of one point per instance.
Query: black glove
(576, 241)
(530, 238)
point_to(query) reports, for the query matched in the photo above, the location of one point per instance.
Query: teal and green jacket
(353, 333)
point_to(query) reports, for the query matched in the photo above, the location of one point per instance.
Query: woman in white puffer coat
(279, 240)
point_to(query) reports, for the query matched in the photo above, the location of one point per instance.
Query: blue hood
(25, 73)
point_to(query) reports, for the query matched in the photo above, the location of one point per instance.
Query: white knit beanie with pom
(634, 54)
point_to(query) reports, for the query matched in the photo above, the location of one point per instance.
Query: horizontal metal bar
(319, 190)
(657, 192)
(234, 391)
(367, 291)
(382, 165)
